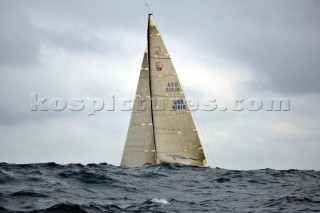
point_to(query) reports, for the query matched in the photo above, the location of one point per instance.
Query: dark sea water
(51, 187)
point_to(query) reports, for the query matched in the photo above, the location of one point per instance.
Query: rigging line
(150, 89)
(205, 140)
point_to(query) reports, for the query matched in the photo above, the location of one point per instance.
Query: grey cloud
(74, 40)
(95, 14)
(69, 25)
(18, 45)
(279, 40)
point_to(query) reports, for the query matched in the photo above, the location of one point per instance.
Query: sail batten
(172, 136)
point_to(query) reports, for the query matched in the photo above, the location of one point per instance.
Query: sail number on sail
(178, 105)
(173, 87)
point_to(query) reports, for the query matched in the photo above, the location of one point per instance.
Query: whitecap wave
(7, 173)
(160, 200)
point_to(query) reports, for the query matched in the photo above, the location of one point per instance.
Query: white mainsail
(164, 131)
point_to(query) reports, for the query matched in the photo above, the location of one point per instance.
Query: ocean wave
(51, 187)
(27, 193)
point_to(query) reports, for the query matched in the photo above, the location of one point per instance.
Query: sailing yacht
(161, 127)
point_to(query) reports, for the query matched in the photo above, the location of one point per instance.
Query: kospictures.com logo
(141, 103)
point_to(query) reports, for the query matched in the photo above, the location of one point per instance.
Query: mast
(150, 89)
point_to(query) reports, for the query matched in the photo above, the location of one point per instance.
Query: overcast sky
(220, 49)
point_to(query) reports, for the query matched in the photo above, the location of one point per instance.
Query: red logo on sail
(159, 66)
